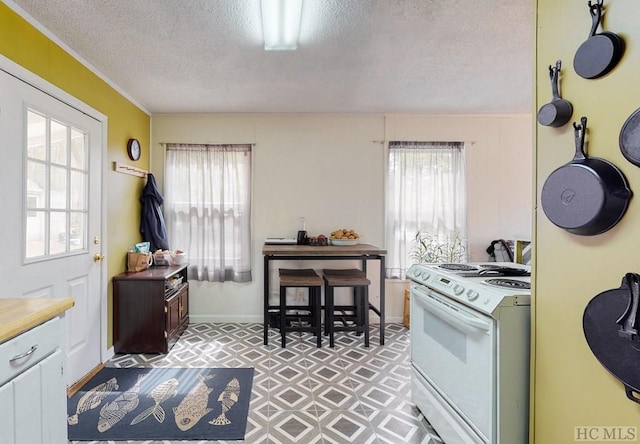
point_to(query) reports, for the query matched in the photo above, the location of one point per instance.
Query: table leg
(266, 301)
(382, 299)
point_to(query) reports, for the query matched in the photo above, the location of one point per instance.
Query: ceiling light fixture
(281, 24)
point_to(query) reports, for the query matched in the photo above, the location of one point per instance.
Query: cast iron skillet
(557, 112)
(610, 325)
(600, 53)
(587, 196)
(629, 140)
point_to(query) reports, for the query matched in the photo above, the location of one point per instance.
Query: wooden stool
(290, 317)
(352, 317)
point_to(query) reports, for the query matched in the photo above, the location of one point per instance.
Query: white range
(470, 336)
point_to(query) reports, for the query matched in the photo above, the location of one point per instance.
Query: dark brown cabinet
(150, 309)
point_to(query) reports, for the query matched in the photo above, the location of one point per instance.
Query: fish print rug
(161, 404)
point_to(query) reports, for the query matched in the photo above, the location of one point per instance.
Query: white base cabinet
(33, 402)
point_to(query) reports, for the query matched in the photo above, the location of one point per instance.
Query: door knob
(98, 257)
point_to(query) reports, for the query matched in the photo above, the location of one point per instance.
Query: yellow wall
(25, 45)
(571, 389)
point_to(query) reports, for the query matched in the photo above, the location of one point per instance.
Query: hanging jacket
(152, 226)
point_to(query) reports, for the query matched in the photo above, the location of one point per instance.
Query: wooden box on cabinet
(407, 303)
(150, 311)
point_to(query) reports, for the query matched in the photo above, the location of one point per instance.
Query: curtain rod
(207, 143)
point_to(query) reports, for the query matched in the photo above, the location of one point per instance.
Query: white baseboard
(217, 319)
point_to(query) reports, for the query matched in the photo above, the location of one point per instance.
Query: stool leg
(315, 292)
(358, 303)
(330, 314)
(326, 310)
(283, 316)
(365, 296)
(311, 305)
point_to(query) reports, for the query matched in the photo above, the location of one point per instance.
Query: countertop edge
(22, 314)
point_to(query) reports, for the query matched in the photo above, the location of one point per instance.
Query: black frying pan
(629, 139)
(600, 53)
(557, 112)
(610, 326)
(587, 196)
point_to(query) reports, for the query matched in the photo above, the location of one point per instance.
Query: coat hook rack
(129, 169)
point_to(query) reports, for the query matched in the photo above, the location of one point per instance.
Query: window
(426, 194)
(56, 204)
(208, 209)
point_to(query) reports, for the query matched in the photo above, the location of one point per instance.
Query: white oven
(470, 353)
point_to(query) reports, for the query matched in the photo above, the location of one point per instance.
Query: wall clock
(133, 149)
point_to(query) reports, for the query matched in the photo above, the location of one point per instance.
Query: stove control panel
(419, 275)
(472, 291)
(472, 295)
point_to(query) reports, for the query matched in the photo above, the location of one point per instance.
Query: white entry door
(50, 229)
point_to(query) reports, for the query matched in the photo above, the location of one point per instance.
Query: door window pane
(77, 231)
(58, 230)
(58, 143)
(58, 193)
(35, 234)
(56, 182)
(36, 185)
(37, 136)
(78, 190)
(78, 152)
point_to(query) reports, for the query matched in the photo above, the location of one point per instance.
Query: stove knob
(472, 295)
(458, 289)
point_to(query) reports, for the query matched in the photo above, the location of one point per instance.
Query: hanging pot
(629, 139)
(587, 196)
(610, 324)
(600, 53)
(557, 112)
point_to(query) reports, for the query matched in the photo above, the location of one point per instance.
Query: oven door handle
(450, 315)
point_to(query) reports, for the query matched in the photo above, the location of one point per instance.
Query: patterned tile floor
(305, 394)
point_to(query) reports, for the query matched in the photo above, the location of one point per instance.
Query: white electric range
(470, 336)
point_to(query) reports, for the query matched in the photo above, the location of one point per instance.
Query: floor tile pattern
(305, 394)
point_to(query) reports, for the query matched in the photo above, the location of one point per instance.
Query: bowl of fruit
(344, 237)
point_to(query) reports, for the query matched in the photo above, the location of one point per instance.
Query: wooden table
(361, 252)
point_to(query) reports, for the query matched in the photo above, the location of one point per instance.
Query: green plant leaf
(429, 248)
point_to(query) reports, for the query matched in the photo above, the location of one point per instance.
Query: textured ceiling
(422, 56)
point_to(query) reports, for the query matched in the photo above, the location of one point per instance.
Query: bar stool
(294, 317)
(346, 317)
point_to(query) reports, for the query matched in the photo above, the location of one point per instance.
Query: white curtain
(208, 209)
(426, 193)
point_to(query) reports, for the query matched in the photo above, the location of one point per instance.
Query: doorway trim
(19, 72)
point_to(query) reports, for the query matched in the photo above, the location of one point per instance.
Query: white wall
(329, 168)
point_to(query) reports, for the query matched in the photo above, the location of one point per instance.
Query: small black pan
(600, 53)
(587, 196)
(629, 139)
(610, 325)
(557, 112)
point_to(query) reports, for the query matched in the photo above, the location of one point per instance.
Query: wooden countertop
(329, 250)
(18, 315)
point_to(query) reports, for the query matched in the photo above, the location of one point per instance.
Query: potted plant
(429, 248)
